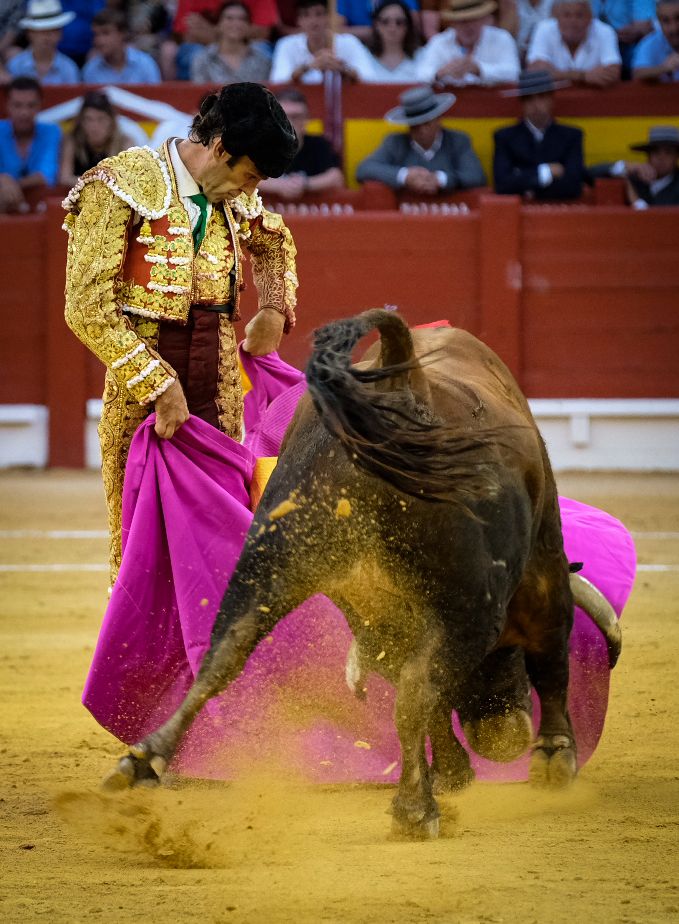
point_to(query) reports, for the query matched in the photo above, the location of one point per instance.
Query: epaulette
(138, 176)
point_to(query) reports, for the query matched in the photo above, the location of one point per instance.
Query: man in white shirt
(307, 54)
(574, 46)
(470, 51)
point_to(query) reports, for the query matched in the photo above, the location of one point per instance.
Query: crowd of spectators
(455, 42)
(537, 46)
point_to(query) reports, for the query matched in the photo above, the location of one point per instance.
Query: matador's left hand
(263, 333)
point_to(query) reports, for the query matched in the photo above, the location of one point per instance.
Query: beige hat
(45, 14)
(463, 10)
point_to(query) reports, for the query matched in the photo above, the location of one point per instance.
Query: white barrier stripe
(53, 534)
(657, 567)
(42, 569)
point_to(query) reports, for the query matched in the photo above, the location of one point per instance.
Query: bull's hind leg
(414, 809)
(450, 765)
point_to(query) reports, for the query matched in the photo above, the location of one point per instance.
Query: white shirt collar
(186, 185)
(536, 132)
(428, 153)
(658, 185)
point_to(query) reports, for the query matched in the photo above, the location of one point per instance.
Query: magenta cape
(185, 516)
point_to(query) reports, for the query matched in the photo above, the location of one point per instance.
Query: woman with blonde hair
(95, 135)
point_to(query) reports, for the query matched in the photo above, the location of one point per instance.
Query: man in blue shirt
(43, 24)
(29, 150)
(117, 62)
(656, 57)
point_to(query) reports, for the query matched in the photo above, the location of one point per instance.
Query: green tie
(201, 224)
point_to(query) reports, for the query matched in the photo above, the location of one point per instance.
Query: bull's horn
(592, 601)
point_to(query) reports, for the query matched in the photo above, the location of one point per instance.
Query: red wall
(579, 301)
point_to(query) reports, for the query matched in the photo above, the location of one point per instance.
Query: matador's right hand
(171, 411)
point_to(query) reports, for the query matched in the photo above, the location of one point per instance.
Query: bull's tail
(386, 429)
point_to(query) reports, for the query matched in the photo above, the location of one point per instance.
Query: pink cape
(185, 516)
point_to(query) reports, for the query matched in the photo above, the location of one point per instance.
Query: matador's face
(222, 179)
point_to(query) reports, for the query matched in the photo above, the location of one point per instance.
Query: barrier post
(66, 356)
(500, 279)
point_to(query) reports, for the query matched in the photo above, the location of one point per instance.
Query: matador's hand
(171, 411)
(263, 333)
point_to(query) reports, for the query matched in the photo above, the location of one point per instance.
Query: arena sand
(272, 849)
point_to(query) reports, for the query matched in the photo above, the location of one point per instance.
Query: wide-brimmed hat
(45, 14)
(658, 134)
(461, 10)
(533, 82)
(419, 105)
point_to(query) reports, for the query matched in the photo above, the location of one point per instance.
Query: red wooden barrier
(579, 301)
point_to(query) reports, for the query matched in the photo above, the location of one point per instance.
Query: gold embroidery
(273, 265)
(229, 388)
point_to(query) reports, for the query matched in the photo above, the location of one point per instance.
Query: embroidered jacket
(131, 257)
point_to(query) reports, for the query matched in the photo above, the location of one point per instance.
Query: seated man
(115, 61)
(574, 46)
(429, 159)
(631, 21)
(29, 150)
(655, 182)
(538, 158)
(43, 25)
(656, 57)
(316, 167)
(305, 55)
(470, 51)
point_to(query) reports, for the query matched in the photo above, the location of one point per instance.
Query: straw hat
(462, 10)
(45, 14)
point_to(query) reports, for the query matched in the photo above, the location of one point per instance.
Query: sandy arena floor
(273, 851)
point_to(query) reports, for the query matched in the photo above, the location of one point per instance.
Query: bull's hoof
(425, 830)
(553, 764)
(444, 781)
(501, 738)
(138, 768)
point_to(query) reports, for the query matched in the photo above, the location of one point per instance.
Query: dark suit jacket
(455, 157)
(518, 154)
(667, 196)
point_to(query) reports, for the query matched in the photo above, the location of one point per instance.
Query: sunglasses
(388, 20)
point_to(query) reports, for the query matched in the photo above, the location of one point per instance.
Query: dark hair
(25, 83)
(95, 99)
(115, 18)
(232, 3)
(250, 122)
(305, 4)
(411, 40)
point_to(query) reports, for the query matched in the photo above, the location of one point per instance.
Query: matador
(155, 268)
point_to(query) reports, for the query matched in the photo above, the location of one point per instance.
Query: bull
(414, 490)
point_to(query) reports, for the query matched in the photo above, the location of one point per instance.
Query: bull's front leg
(554, 760)
(414, 809)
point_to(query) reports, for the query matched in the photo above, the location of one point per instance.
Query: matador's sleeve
(96, 251)
(273, 264)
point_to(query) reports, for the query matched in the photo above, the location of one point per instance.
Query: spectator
(530, 13)
(307, 54)
(95, 135)
(655, 182)
(78, 37)
(394, 44)
(631, 19)
(233, 58)
(115, 61)
(29, 150)
(428, 159)
(316, 167)
(357, 16)
(470, 51)
(43, 25)
(538, 158)
(574, 46)
(656, 57)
